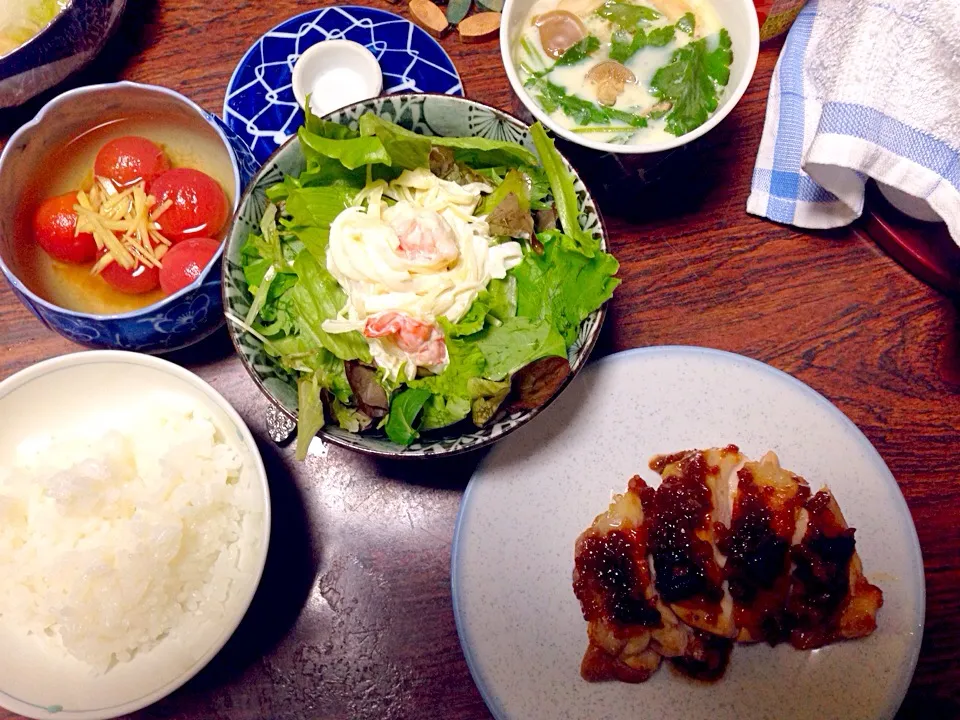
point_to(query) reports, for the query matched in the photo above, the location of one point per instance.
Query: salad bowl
(425, 114)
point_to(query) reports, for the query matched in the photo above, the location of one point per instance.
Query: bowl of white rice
(134, 528)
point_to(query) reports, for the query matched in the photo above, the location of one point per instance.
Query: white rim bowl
(64, 391)
(738, 16)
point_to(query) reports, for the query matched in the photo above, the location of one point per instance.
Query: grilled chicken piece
(766, 503)
(830, 599)
(611, 579)
(684, 515)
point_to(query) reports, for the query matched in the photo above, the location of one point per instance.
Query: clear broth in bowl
(72, 286)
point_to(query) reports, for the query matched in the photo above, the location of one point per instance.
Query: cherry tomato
(54, 227)
(199, 207)
(184, 262)
(128, 160)
(141, 279)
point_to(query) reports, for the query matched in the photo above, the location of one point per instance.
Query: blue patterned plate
(259, 105)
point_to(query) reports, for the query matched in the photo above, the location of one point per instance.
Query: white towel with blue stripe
(863, 89)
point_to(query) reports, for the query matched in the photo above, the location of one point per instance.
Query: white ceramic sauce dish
(334, 74)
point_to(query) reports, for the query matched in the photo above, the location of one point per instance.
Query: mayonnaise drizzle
(434, 279)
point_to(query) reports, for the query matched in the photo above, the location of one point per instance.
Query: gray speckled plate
(519, 622)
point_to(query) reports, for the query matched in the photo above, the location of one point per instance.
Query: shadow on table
(647, 188)
(918, 705)
(441, 473)
(293, 562)
(210, 350)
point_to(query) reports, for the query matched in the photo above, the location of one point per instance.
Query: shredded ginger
(124, 222)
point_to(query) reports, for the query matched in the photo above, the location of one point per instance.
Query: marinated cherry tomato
(128, 160)
(184, 262)
(199, 207)
(141, 279)
(54, 227)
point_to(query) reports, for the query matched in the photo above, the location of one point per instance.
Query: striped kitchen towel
(863, 89)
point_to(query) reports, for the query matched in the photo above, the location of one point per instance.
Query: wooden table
(353, 619)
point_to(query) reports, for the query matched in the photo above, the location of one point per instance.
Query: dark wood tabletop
(353, 618)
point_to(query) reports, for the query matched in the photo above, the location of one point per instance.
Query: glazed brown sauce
(686, 571)
(821, 576)
(758, 557)
(706, 658)
(611, 577)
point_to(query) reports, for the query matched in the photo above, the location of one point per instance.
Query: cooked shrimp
(425, 236)
(422, 341)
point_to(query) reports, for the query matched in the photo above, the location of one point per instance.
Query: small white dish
(55, 396)
(519, 622)
(909, 205)
(334, 74)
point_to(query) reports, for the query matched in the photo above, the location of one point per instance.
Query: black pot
(68, 43)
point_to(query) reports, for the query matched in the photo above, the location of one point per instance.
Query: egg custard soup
(625, 71)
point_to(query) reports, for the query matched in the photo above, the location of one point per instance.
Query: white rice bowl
(132, 534)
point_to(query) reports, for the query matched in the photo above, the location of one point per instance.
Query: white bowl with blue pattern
(438, 115)
(260, 105)
(172, 323)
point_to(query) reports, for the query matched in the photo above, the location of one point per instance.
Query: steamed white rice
(112, 542)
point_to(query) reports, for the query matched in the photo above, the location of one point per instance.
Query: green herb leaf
(626, 15)
(691, 82)
(457, 10)
(579, 51)
(584, 112)
(491, 5)
(623, 45)
(402, 423)
(687, 23)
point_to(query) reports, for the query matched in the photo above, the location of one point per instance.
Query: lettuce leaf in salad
(318, 297)
(565, 283)
(517, 342)
(310, 416)
(404, 418)
(352, 153)
(561, 184)
(407, 147)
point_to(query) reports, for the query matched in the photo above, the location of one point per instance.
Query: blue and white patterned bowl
(172, 323)
(428, 115)
(259, 103)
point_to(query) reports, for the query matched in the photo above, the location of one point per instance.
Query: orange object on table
(776, 16)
